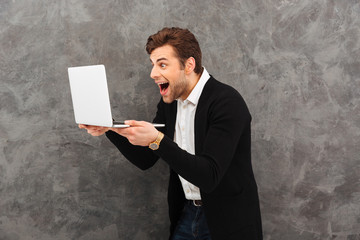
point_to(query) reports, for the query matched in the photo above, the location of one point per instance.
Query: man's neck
(193, 79)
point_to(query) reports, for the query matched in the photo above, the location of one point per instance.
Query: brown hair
(182, 40)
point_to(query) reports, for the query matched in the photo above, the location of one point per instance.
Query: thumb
(131, 122)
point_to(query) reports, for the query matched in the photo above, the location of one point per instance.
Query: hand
(94, 130)
(140, 133)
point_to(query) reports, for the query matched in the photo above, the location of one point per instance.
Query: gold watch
(155, 144)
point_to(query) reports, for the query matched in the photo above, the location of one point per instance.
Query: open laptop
(90, 97)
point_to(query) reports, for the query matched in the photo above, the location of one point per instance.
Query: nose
(154, 73)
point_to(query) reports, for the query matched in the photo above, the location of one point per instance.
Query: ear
(190, 65)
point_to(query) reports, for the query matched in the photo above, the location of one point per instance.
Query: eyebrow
(160, 59)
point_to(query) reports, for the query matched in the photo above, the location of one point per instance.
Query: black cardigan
(221, 166)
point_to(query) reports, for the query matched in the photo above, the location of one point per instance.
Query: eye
(163, 65)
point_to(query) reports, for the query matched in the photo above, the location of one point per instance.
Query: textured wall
(296, 62)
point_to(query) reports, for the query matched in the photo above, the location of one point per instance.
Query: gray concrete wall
(296, 63)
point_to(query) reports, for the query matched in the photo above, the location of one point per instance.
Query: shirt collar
(195, 94)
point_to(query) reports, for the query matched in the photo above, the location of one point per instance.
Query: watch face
(154, 146)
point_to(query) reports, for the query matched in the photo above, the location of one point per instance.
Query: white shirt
(184, 129)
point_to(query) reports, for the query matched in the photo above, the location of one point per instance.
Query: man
(206, 143)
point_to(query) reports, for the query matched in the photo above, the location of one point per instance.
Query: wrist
(154, 145)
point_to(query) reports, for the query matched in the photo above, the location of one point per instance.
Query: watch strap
(155, 144)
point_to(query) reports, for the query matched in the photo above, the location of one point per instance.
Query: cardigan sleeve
(142, 157)
(139, 156)
(227, 119)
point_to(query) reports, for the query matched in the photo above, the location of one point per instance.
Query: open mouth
(163, 87)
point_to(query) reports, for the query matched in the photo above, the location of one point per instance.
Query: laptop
(90, 97)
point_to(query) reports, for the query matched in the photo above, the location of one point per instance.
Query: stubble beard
(177, 89)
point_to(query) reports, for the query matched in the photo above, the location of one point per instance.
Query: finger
(118, 130)
(88, 126)
(134, 123)
(121, 131)
(96, 132)
(130, 122)
(95, 128)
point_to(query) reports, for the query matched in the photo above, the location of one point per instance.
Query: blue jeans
(192, 224)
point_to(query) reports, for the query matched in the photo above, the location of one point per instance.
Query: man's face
(168, 74)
